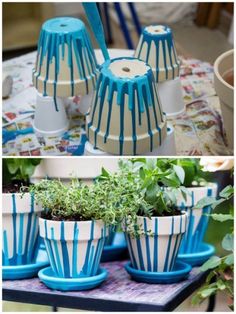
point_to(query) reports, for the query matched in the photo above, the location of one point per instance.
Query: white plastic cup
(171, 96)
(50, 117)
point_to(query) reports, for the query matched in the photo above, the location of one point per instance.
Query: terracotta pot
(224, 64)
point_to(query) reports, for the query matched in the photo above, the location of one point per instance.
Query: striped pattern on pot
(156, 47)
(197, 218)
(20, 229)
(74, 248)
(156, 249)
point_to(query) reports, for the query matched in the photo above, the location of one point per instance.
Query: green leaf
(206, 201)
(229, 260)
(105, 173)
(227, 192)
(142, 173)
(207, 292)
(228, 242)
(222, 217)
(213, 262)
(180, 173)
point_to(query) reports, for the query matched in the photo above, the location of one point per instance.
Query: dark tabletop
(117, 293)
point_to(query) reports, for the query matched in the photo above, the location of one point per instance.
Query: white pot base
(166, 149)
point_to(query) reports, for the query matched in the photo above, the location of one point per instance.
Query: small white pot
(74, 248)
(19, 228)
(223, 64)
(197, 218)
(156, 249)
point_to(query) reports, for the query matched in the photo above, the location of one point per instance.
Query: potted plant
(19, 213)
(75, 223)
(154, 227)
(198, 187)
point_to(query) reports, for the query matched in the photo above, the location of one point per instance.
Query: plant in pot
(193, 250)
(19, 216)
(220, 268)
(74, 225)
(154, 228)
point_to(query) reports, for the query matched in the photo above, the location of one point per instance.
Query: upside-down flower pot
(156, 47)
(126, 115)
(66, 64)
(20, 234)
(156, 249)
(197, 218)
(74, 248)
(223, 67)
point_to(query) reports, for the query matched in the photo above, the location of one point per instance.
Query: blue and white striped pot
(156, 249)
(74, 247)
(197, 218)
(156, 47)
(19, 229)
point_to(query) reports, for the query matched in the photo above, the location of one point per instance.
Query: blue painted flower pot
(126, 116)
(156, 47)
(74, 248)
(156, 249)
(19, 229)
(66, 64)
(197, 218)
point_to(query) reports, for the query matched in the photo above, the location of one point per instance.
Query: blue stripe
(149, 267)
(166, 268)
(65, 255)
(57, 256)
(155, 262)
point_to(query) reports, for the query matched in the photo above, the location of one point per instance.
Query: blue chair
(104, 12)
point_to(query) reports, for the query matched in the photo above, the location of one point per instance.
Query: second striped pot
(156, 249)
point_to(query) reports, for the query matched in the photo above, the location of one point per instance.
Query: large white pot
(74, 248)
(19, 228)
(223, 65)
(157, 251)
(197, 218)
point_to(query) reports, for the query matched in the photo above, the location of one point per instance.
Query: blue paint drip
(20, 240)
(133, 260)
(140, 254)
(86, 263)
(56, 254)
(75, 251)
(65, 255)
(5, 254)
(168, 247)
(149, 266)
(49, 249)
(155, 254)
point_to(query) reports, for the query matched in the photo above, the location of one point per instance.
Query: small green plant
(19, 170)
(160, 180)
(107, 199)
(221, 269)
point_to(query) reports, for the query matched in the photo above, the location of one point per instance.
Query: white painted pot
(223, 65)
(197, 218)
(19, 229)
(157, 252)
(167, 147)
(74, 248)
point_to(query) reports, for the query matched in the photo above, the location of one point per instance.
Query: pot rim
(216, 68)
(68, 222)
(183, 213)
(199, 187)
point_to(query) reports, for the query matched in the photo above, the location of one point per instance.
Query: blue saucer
(200, 257)
(116, 251)
(25, 271)
(48, 277)
(180, 272)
